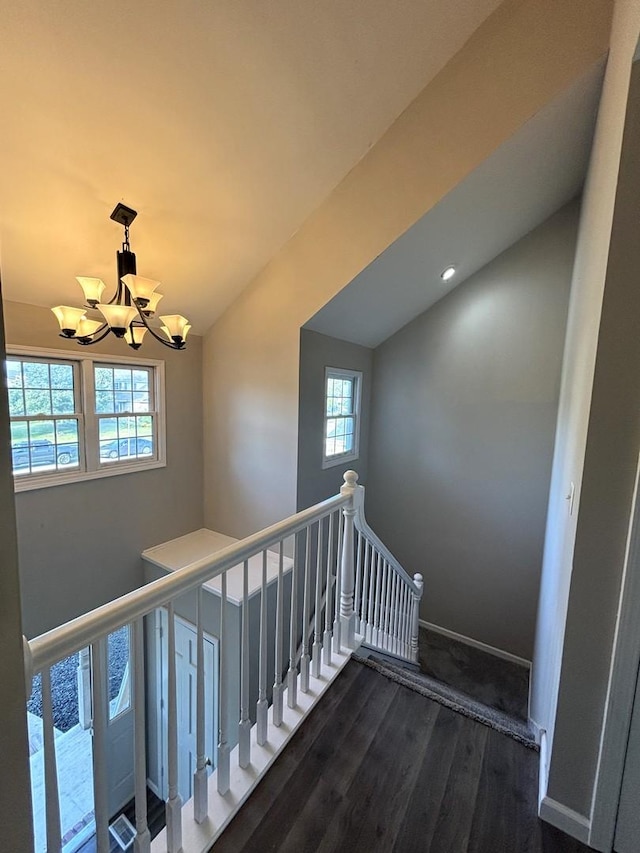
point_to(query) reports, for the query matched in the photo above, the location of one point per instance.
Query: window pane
(36, 374)
(123, 401)
(140, 380)
(67, 444)
(19, 432)
(16, 402)
(63, 402)
(140, 401)
(122, 379)
(145, 425)
(14, 373)
(37, 402)
(126, 438)
(62, 376)
(104, 402)
(103, 378)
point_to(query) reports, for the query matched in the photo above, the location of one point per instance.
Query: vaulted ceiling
(224, 123)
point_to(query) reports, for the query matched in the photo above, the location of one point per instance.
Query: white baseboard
(564, 818)
(477, 644)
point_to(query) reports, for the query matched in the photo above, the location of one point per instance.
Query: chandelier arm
(96, 340)
(163, 341)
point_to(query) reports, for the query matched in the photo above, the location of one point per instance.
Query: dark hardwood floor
(378, 768)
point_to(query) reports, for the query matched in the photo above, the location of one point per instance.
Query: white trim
(341, 458)
(477, 644)
(87, 425)
(80, 355)
(82, 476)
(564, 818)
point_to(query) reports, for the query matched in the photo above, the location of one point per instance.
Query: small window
(125, 413)
(75, 418)
(46, 417)
(342, 416)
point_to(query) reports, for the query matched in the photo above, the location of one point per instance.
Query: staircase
(346, 588)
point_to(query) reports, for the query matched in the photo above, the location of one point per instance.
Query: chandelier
(129, 310)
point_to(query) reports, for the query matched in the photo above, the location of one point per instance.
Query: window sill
(339, 460)
(62, 479)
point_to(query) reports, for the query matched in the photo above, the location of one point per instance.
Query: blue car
(125, 447)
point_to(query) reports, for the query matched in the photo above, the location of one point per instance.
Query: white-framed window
(341, 416)
(82, 417)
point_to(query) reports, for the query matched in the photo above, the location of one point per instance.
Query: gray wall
(610, 466)
(15, 790)
(317, 352)
(79, 544)
(463, 416)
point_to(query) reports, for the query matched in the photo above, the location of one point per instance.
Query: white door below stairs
(186, 704)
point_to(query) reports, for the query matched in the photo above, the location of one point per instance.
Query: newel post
(415, 615)
(347, 568)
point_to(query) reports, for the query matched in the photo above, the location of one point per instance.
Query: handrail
(60, 642)
(362, 526)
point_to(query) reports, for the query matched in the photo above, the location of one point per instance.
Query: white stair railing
(386, 600)
(347, 575)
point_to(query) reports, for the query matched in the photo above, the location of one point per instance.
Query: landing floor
(378, 768)
(498, 683)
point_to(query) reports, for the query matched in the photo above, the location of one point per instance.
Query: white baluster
(396, 612)
(357, 596)
(305, 659)
(244, 730)
(100, 704)
(372, 594)
(223, 769)
(292, 675)
(174, 802)
(417, 579)
(405, 620)
(337, 625)
(278, 687)
(84, 688)
(142, 841)
(376, 611)
(347, 585)
(392, 608)
(200, 778)
(316, 653)
(52, 802)
(365, 591)
(328, 610)
(389, 620)
(262, 706)
(384, 606)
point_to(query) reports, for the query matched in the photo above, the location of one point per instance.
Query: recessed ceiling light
(448, 273)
